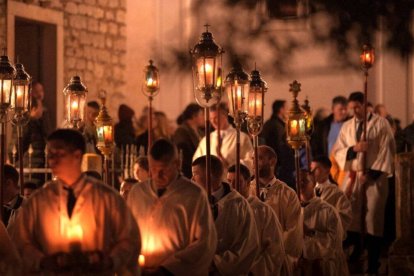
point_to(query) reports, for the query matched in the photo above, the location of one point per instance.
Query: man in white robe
(329, 192)
(284, 202)
(10, 262)
(238, 243)
(227, 151)
(322, 251)
(75, 219)
(271, 259)
(366, 187)
(176, 224)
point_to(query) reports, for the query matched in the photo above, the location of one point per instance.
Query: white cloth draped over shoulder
(324, 244)
(380, 158)
(238, 242)
(100, 218)
(271, 259)
(10, 262)
(331, 193)
(177, 229)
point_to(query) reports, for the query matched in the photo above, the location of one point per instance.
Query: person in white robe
(329, 192)
(322, 250)
(238, 242)
(226, 151)
(10, 262)
(176, 224)
(284, 202)
(366, 186)
(75, 219)
(271, 259)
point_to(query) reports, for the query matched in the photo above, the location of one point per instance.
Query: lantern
(207, 70)
(309, 117)
(367, 56)
(296, 124)
(104, 128)
(7, 74)
(151, 80)
(237, 87)
(75, 97)
(255, 103)
(21, 91)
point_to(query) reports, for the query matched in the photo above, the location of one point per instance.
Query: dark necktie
(214, 207)
(160, 192)
(262, 196)
(359, 130)
(71, 201)
(318, 192)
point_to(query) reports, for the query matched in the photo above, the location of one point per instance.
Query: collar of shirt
(272, 182)
(11, 204)
(218, 194)
(326, 183)
(77, 186)
(167, 188)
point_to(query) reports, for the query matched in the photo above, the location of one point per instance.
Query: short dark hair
(142, 161)
(244, 171)
(222, 106)
(323, 160)
(73, 139)
(93, 104)
(30, 185)
(217, 168)
(93, 174)
(339, 100)
(356, 97)
(270, 153)
(131, 180)
(11, 173)
(163, 150)
(190, 111)
(277, 106)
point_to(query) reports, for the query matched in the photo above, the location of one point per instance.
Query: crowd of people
(163, 220)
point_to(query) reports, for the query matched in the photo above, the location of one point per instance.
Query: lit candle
(151, 83)
(75, 109)
(294, 128)
(255, 107)
(5, 86)
(107, 134)
(367, 58)
(19, 97)
(239, 96)
(74, 234)
(206, 74)
(141, 260)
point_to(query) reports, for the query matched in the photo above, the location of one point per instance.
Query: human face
(38, 92)
(199, 176)
(27, 192)
(10, 190)
(339, 112)
(124, 189)
(63, 162)
(306, 187)
(357, 109)
(266, 164)
(214, 118)
(244, 184)
(91, 114)
(140, 173)
(320, 173)
(163, 173)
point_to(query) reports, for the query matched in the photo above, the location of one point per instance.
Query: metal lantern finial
(75, 96)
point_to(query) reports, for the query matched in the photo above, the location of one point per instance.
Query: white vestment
(100, 221)
(177, 229)
(330, 193)
(272, 257)
(379, 157)
(284, 201)
(323, 244)
(238, 242)
(228, 146)
(10, 262)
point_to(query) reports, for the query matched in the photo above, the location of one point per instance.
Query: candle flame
(75, 105)
(74, 232)
(141, 260)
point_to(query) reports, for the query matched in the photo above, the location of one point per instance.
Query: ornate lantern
(367, 56)
(7, 74)
(105, 134)
(296, 124)
(207, 70)
(237, 86)
(255, 103)
(151, 80)
(21, 91)
(75, 97)
(309, 117)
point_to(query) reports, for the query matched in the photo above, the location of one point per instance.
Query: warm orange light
(107, 131)
(141, 260)
(206, 74)
(74, 232)
(74, 109)
(151, 83)
(293, 128)
(255, 107)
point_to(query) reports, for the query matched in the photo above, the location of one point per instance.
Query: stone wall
(94, 43)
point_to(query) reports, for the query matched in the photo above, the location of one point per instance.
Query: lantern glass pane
(236, 93)
(255, 103)
(152, 81)
(5, 91)
(207, 98)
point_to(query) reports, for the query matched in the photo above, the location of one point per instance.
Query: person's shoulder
(99, 186)
(189, 187)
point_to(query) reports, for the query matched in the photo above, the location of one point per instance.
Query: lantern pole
(150, 89)
(207, 83)
(255, 112)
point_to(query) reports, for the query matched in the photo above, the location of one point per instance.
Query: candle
(5, 86)
(151, 83)
(141, 260)
(74, 234)
(107, 131)
(293, 128)
(19, 97)
(239, 96)
(206, 74)
(75, 109)
(255, 107)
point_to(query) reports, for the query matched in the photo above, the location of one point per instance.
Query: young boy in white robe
(329, 191)
(271, 259)
(177, 228)
(366, 179)
(238, 242)
(284, 202)
(75, 223)
(322, 251)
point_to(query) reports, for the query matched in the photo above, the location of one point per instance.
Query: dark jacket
(34, 134)
(319, 138)
(274, 134)
(408, 137)
(187, 141)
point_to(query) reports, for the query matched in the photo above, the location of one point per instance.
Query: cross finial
(206, 25)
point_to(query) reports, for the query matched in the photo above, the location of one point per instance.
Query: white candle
(141, 260)
(75, 109)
